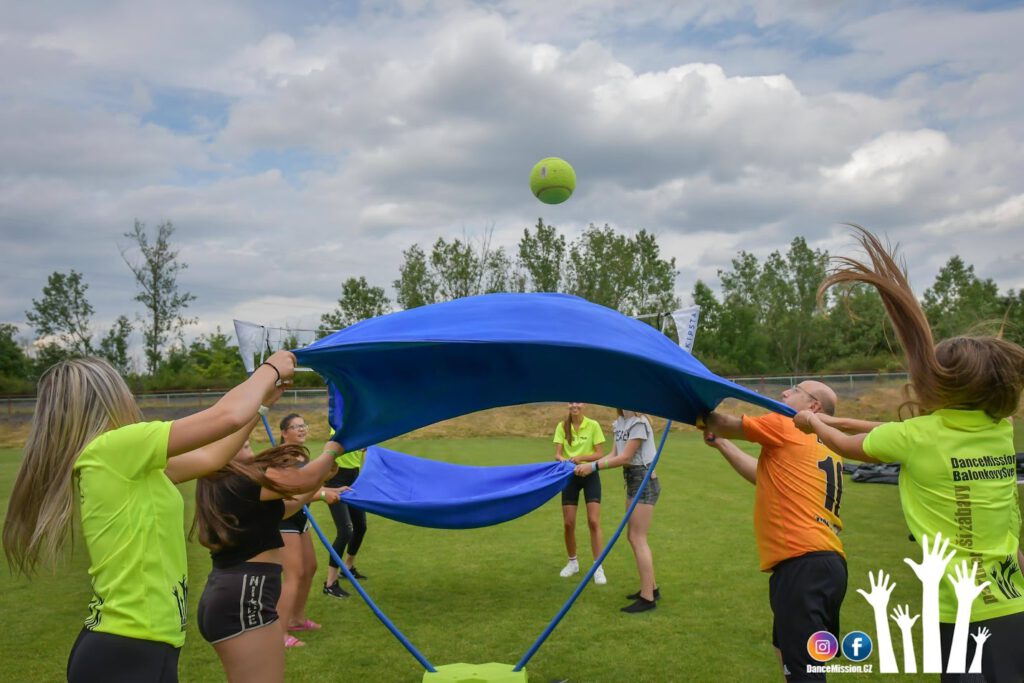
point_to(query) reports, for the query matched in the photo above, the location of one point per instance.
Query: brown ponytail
(971, 373)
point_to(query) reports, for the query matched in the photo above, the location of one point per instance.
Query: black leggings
(349, 521)
(1002, 658)
(107, 658)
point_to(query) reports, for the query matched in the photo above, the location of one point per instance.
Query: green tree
(65, 313)
(215, 358)
(156, 276)
(15, 368)
(359, 301)
(599, 267)
(541, 254)
(415, 285)
(789, 313)
(959, 300)
(114, 345)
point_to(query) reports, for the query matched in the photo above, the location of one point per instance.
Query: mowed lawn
(484, 595)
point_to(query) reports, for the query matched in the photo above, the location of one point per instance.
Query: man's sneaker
(599, 577)
(641, 605)
(636, 596)
(573, 567)
(335, 591)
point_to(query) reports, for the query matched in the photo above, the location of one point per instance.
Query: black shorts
(1002, 657)
(590, 485)
(296, 524)
(806, 593)
(634, 475)
(239, 599)
(107, 658)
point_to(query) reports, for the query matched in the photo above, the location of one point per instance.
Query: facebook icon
(857, 646)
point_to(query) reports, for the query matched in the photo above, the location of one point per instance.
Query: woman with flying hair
(88, 443)
(951, 447)
(238, 509)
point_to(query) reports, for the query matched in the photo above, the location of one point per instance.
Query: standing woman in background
(298, 557)
(350, 524)
(633, 450)
(87, 441)
(578, 439)
(953, 454)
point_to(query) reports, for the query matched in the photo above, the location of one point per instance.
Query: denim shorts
(633, 475)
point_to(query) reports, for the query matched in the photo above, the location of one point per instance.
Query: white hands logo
(929, 571)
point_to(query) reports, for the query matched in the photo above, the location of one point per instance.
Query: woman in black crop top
(238, 509)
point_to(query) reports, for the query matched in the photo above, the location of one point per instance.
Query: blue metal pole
(597, 563)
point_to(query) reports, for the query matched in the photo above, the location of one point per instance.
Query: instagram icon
(822, 646)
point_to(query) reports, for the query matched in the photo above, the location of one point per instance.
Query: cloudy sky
(297, 144)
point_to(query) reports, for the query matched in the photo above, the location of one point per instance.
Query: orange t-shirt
(799, 489)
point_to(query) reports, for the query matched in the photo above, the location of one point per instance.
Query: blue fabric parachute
(406, 370)
(446, 496)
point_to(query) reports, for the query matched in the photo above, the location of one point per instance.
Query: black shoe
(641, 605)
(335, 591)
(355, 573)
(636, 596)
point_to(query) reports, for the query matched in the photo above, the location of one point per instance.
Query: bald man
(798, 487)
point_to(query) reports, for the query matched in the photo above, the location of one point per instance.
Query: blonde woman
(633, 450)
(579, 439)
(88, 443)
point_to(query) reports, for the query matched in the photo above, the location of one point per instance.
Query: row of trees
(765, 318)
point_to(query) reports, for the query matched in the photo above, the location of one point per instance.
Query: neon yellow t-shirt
(133, 520)
(584, 438)
(350, 460)
(958, 478)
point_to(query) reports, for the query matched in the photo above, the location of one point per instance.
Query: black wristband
(273, 367)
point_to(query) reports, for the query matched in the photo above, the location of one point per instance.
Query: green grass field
(485, 595)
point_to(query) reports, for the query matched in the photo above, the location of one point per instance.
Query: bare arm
(743, 463)
(558, 452)
(308, 478)
(616, 459)
(847, 445)
(849, 424)
(596, 455)
(233, 411)
(202, 461)
(727, 426)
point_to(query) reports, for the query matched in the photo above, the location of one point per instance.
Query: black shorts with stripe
(239, 599)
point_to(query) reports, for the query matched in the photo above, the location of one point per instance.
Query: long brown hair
(967, 372)
(216, 528)
(77, 401)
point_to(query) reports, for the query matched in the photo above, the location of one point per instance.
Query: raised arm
(233, 411)
(744, 464)
(308, 478)
(720, 424)
(847, 445)
(849, 424)
(202, 461)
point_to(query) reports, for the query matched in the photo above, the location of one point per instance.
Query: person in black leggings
(350, 523)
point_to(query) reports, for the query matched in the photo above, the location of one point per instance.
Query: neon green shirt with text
(584, 438)
(958, 478)
(133, 520)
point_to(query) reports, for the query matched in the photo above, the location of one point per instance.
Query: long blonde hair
(77, 401)
(967, 372)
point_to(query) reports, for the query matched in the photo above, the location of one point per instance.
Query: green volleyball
(552, 180)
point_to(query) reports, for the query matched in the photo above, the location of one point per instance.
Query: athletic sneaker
(573, 567)
(636, 596)
(335, 591)
(355, 573)
(641, 605)
(599, 577)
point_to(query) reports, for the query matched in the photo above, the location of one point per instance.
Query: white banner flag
(686, 325)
